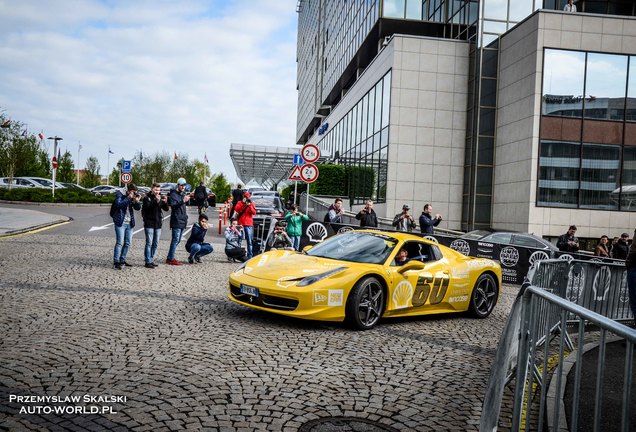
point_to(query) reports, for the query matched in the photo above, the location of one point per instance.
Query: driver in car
(402, 257)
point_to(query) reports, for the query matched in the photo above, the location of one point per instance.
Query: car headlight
(315, 278)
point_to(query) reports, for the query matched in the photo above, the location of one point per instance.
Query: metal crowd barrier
(541, 362)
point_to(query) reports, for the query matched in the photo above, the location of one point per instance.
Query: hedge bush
(45, 195)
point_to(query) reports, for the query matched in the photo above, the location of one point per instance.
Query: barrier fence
(536, 350)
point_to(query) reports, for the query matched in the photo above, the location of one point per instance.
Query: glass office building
(449, 103)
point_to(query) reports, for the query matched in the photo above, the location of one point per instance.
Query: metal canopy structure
(264, 165)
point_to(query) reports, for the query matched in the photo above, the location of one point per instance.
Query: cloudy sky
(190, 76)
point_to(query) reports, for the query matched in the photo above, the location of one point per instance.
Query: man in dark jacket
(178, 218)
(196, 243)
(621, 248)
(367, 216)
(427, 221)
(237, 197)
(630, 264)
(568, 242)
(152, 209)
(201, 195)
(124, 220)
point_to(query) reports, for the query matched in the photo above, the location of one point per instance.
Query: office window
(606, 76)
(563, 79)
(599, 176)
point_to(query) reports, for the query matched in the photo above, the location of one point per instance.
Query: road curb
(36, 227)
(47, 204)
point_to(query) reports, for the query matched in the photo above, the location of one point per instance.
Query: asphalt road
(164, 349)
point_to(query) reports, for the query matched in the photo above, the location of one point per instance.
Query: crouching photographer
(234, 236)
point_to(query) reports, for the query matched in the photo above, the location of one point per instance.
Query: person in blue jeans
(123, 215)
(195, 244)
(630, 265)
(295, 220)
(178, 218)
(152, 208)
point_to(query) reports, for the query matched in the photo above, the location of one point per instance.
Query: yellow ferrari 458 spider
(361, 276)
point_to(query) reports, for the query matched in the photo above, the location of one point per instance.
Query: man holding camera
(295, 220)
(404, 221)
(178, 218)
(427, 221)
(124, 220)
(152, 209)
(367, 216)
(244, 212)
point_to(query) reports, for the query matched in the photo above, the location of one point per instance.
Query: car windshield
(268, 203)
(360, 247)
(475, 235)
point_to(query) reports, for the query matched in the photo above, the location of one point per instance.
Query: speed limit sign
(125, 177)
(310, 153)
(309, 173)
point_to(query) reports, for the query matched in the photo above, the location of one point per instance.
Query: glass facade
(588, 131)
(361, 139)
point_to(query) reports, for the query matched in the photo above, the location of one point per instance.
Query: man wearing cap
(404, 221)
(568, 241)
(621, 248)
(124, 221)
(244, 212)
(178, 218)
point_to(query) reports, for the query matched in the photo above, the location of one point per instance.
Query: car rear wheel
(484, 297)
(365, 304)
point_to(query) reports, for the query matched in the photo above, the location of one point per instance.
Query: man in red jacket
(244, 213)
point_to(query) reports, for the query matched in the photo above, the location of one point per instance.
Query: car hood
(288, 265)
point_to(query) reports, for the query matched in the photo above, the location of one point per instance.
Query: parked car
(6, 182)
(143, 190)
(167, 187)
(211, 198)
(265, 193)
(103, 190)
(510, 238)
(72, 186)
(37, 182)
(268, 205)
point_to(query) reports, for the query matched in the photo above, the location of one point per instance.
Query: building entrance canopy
(265, 165)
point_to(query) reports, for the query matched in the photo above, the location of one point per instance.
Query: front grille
(265, 301)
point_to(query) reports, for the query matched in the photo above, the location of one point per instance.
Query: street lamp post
(55, 140)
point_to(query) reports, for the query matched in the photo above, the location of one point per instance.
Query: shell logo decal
(431, 238)
(402, 293)
(316, 232)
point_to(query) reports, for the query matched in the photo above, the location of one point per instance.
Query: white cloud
(189, 76)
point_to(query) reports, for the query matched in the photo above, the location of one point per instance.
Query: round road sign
(309, 173)
(310, 153)
(126, 177)
(54, 162)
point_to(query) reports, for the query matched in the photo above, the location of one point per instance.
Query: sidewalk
(16, 221)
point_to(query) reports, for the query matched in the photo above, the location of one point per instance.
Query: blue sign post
(298, 160)
(126, 166)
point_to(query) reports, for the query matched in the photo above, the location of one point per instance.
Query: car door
(418, 291)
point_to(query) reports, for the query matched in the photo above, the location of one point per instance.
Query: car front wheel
(365, 304)
(484, 297)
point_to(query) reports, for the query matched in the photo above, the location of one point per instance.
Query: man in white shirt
(570, 7)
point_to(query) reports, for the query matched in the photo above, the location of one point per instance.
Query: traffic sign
(125, 177)
(126, 166)
(54, 162)
(295, 174)
(310, 153)
(309, 173)
(298, 160)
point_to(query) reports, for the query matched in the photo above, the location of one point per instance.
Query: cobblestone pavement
(184, 356)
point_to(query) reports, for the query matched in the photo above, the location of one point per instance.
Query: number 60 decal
(430, 288)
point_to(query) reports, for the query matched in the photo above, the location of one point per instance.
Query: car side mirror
(306, 248)
(411, 265)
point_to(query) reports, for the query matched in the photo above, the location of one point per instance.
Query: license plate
(249, 290)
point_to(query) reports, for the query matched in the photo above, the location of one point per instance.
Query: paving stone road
(185, 357)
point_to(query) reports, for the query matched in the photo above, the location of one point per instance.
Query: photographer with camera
(279, 239)
(178, 218)
(367, 216)
(404, 221)
(233, 239)
(196, 245)
(295, 220)
(124, 220)
(152, 208)
(427, 221)
(244, 212)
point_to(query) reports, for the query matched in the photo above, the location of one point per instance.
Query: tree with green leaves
(220, 186)
(20, 153)
(91, 176)
(65, 168)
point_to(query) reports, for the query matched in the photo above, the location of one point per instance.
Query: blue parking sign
(298, 160)
(126, 166)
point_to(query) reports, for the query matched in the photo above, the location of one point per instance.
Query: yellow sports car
(360, 276)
